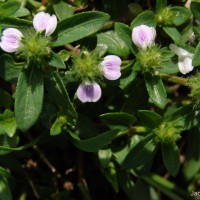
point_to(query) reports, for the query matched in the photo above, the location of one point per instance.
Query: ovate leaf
(79, 26)
(150, 118)
(156, 90)
(95, 143)
(146, 17)
(5, 193)
(9, 7)
(29, 97)
(171, 160)
(114, 44)
(141, 153)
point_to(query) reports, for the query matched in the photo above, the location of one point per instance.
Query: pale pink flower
(44, 22)
(10, 41)
(143, 36)
(111, 67)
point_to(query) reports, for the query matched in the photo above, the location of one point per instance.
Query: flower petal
(89, 92)
(185, 65)
(37, 21)
(51, 27)
(179, 51)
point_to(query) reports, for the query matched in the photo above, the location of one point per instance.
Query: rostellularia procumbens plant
(88, 68)
(32, 45)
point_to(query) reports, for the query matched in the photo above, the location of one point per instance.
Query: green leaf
(169, 67)
(196, 57)
(180, 15)
(171, 160)
(150, 118)
(121, 152)
(195, 7)
(141, 153)
(59, 96)
(56, 127)
(160, 4)
(15, 23)
(146, 18)
(5, 193)
(79, 26)
(119, 120)
(64, 55)
(128, 75)
(7, 143)
(182, 118)
(104, 156)
(156, 90)
(29, 97)
(22, 12)
(9, 70)
(9, 122)
(95, 143)
(114, 44)
(63, 10)
(173, 33)
(125, 33)
(56, 61)
(9, 7)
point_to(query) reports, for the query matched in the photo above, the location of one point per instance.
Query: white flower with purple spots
(143, 36)
(45, 22)
(184, 59)
(10, 41)
(111, 67)
(89, 92)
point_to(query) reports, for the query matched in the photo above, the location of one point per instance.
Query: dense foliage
(99, 99)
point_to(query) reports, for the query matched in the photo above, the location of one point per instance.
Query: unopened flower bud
(44, 22)
(10, 41)
(89, 92)
(111, 67)
(143, 36)
(184, 59)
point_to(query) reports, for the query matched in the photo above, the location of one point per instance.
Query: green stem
(139, 129)
(175, 79)
(133, 130)
(167, 187)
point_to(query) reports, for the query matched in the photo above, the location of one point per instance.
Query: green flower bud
(164, 16)
(34, 48)
(167, 133)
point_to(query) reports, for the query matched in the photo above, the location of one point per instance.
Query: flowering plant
(99, 99)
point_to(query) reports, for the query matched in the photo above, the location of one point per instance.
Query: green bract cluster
(86, 66)
(35, 48)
